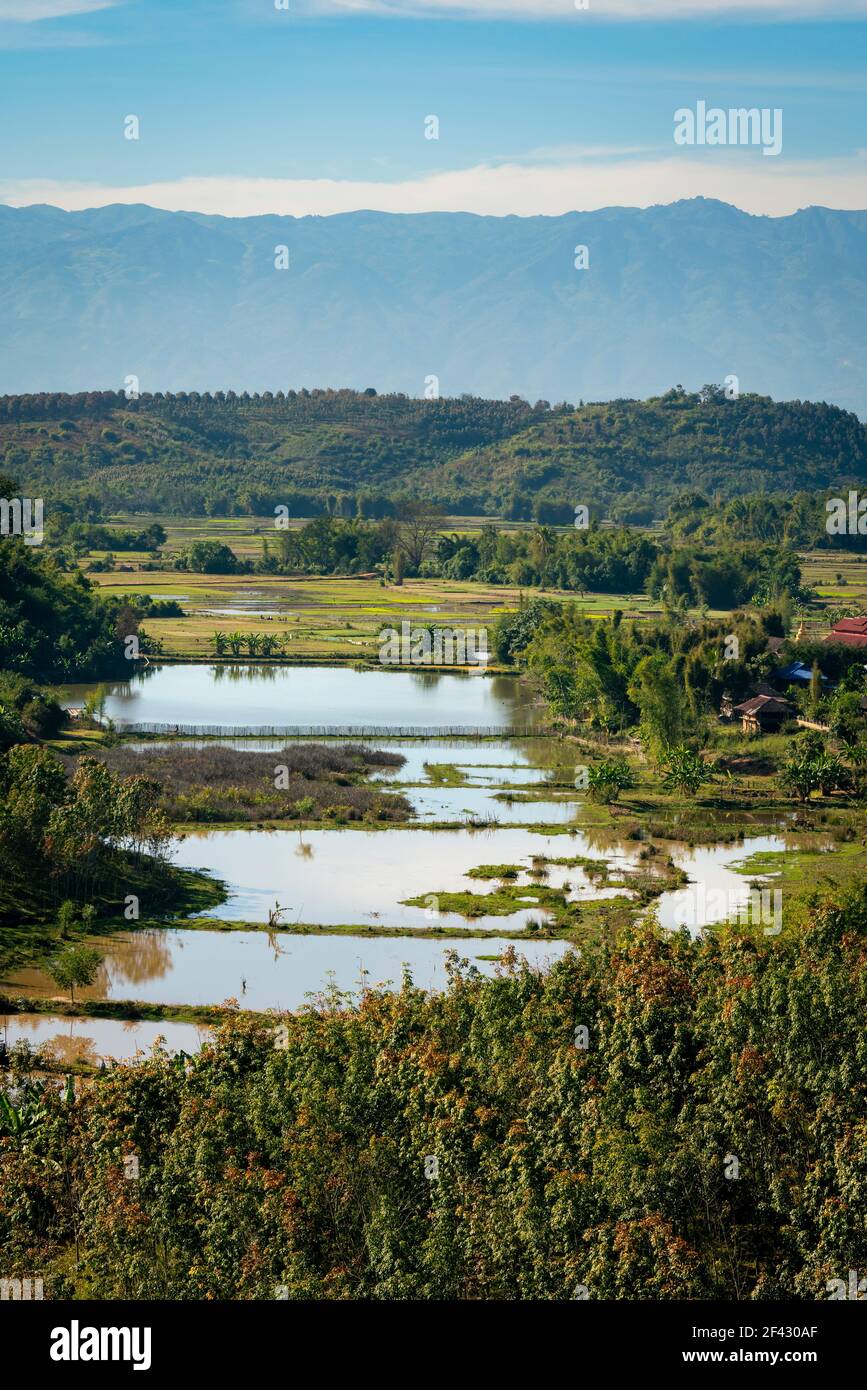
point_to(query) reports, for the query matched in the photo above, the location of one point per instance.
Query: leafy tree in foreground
(584, 1120)
(75, 837)
(77, 965)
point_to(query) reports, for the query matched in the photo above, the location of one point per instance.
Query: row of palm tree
(254, 643)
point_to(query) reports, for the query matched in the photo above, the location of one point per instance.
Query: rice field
(339, 619)
(319, 617)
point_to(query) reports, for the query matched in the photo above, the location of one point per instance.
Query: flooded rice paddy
(73, 1040)
(269, 970)
(361, 878)
(240, 695)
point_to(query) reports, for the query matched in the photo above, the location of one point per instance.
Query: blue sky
(245, 108)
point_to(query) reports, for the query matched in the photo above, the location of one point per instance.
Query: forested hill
(629, 459)
(348, 452)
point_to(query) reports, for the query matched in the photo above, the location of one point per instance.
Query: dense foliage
(27, 711)
(631, 459)
(666, 679)
(704, 1138)
(721, 574)
(54, 625)
(88, 838)
(356, 453)
(653, 1117)
(782, 520)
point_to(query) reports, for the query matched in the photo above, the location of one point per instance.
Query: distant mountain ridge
(690, 292)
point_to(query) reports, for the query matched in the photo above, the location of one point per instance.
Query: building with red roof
(849, 632)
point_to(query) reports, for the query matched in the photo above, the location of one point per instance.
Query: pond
(249, 696)
(264, 970)
(479, 804)
(360, 877)
(279, 970)
(88, 1039)
(490, 762)
(447, 780)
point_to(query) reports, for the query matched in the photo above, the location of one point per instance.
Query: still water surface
(264, 970)
(267, 970)
(248, 696)
(88, 1039)
(359, 877)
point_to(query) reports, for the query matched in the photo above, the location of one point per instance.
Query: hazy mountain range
(689, 293)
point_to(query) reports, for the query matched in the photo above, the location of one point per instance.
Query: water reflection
(243, 671)
(518, 762)
(358, 878)
(242, 694)
(354, 877)
(72, 1040)
(265, 970)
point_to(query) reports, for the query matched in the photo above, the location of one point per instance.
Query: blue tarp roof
(797, 671)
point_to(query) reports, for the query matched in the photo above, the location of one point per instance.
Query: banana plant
(16, 1121)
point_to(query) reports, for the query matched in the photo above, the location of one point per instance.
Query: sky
(325, 106)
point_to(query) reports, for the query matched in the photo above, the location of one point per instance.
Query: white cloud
(27, 11)
(499, 190)
(598, 9)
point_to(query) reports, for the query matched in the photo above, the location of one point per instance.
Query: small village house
(727, 703)
(763, 714)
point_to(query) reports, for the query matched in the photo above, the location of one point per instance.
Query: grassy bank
(29, 940)
(127, 1010)
(301, 783)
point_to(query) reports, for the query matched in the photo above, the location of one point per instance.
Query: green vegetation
(665, 680)
(606, 780)
(715, 575)
(358, 454)
(89, 840)
(445, 775)
(27, 711)
(76, 965)
(641, 885)
(684, 771)
(788, 519)
(53, 625)
(219, 785)
(265, 644)
(810, 768)
(601, 1158)
(210, 557)
(495, 871)
(584, 1117)
(77, 537)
